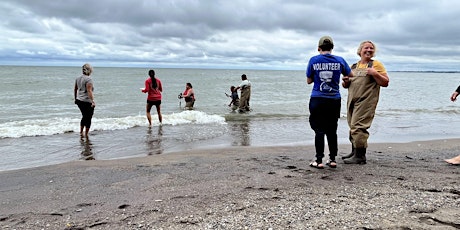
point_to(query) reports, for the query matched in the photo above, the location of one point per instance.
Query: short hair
(362, 45)
(87, 69)
(327, 47)
(244, 77)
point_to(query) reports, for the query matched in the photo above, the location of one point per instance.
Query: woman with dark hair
(153, 88)
(189, 96)
(84, 98)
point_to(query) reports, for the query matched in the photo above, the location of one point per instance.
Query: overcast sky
(256, 34)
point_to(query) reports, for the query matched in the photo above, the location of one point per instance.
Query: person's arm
(89, 88)
(189, 92)
(75, 88)
(146, 87)
(455, 94)
(382, 79)
(378, 72)
(346, 80)
(309, 73)
(160, 86)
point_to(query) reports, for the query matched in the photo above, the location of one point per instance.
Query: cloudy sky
(256, 34)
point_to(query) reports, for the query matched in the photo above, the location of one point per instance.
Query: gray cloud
(410, 35)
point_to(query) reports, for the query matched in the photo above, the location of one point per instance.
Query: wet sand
(403, 186)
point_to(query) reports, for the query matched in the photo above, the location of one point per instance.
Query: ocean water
(39, 123)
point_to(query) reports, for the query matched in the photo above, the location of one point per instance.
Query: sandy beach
(403, 186)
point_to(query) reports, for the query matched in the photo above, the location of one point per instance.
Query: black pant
(87, 112)
(324, 116)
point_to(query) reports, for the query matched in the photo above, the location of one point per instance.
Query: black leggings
(324, 116)
(87, 112)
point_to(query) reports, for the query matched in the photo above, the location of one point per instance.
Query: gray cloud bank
(270, 34)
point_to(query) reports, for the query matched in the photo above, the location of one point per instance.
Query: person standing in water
(84, 98)
(153, 88)
(189, 96)
(363, 95)
(235, 99)
(245, 87)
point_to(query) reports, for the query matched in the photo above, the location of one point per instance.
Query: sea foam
(27, 128)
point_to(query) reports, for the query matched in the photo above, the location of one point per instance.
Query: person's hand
(454, 96)
(346, 81)
(372, 71)
(93, 104)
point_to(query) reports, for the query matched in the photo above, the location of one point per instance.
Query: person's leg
(243, 100)
(160, 117)
(363, 115)
(248, 98)
(360, 122)
(87, 132)
(353, 151)
(148, 107)
(80, 106)
(333, 148)
(319, 146)
(316, 124)
(333, 144)
(350, 114)
(189, 105)
(454, 161)
(89, 112)
(333, 115)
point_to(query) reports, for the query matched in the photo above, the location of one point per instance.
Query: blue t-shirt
(325, 69)
(235, 95)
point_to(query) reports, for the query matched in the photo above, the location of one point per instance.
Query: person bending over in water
(189, 96)
(235, 99)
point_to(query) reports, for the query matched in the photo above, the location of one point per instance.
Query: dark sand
(403, 186)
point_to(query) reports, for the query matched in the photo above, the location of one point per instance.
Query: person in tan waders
(245, 88)
(363, 95)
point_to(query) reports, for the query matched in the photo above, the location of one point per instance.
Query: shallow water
(39, 122)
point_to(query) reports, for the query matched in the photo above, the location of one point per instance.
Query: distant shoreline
(220, 68)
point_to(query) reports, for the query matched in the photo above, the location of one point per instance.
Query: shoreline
(403, 185)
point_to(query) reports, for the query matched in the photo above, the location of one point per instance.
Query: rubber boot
(353, 151)
(358, 158)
